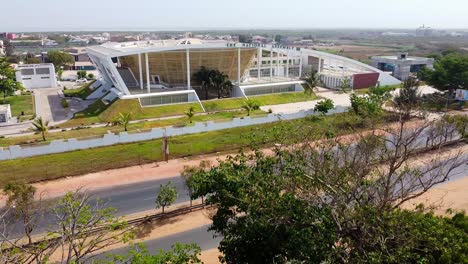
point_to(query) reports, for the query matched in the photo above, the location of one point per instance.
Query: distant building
(81, 59)
(401, 66)
(2, 48)
(34, 76)
(5, 113)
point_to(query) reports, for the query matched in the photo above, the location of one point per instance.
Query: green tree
(408, 98)
(460, 122)
(167, 195)
(91, 76)
(81, 74)
(8, 83)
(188, 174)
(59, 59)
(20, 197)
(180, 254)
(31, 59)
(450, 73)
(41, 126)
(190, 113)
(85, 226)
(123, 119)
(312, 80)
(203, 77)
(324, 106)
(221, 83)
(9, 48)
(250, 105)
(333, 202)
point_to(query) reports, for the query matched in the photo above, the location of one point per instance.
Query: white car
(82, 80)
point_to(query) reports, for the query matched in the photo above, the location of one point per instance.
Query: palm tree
(41, 126)
(190, 113)
(220, 81)
(203, 76)
(312, 80)
(123, 119)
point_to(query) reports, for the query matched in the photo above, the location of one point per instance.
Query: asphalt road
(138, 197)
(200, 236)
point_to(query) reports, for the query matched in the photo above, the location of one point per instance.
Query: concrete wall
(59, 146)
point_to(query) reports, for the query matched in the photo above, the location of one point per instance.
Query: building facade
(34, 76)
(164, 70)
(402, 66)
(5, 113)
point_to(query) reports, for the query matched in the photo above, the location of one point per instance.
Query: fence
(59, 146)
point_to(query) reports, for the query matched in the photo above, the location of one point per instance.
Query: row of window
(164, 99)
(269, 90)
(40, 71)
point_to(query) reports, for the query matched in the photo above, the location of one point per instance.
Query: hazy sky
(42, 15)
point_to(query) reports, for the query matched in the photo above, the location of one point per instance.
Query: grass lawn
(98, 131)
(98, 112)
(55, 166)
(138, 112)
(20, 103)
(82, 92)
(268, 99)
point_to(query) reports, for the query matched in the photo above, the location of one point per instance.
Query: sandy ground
(210, 256)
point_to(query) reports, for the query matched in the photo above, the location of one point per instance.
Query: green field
(20, 104)
(269, 99)
(135, 127)
(55, 166)
(98, 112)
(82, 92)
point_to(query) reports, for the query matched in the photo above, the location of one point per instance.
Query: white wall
(39, 76)
(58, 146)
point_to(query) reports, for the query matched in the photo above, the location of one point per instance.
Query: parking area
(49, 107)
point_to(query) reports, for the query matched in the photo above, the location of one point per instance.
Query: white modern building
(5, 113)
(402, 66)
(34, 76)
(162, 71)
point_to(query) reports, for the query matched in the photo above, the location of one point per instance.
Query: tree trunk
(43, 136)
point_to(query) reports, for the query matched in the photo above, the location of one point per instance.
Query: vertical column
(188, 70)
(259, 62)
(148, 83)
(271, 63)
(287, 65)
(277, 62)
(140, 71)
(319, 69)
(238, 66)
(300, 64)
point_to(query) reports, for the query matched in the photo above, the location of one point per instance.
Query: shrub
(324, 106)
(64, 103)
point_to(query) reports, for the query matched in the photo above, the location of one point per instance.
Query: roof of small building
(4, 107)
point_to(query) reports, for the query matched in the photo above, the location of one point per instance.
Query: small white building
(5, 113)
(34, 76)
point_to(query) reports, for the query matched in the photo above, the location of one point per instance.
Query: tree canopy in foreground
(334, 202)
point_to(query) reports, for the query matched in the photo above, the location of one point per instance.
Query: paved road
(200, 236)
(127, 199)
(138, 197)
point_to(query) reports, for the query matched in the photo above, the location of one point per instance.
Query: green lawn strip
(55, 166)
(134, 127)
(19, 104)
(83, 92)
(269, 99)
(284, 98)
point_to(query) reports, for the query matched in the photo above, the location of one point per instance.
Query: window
(45, 78)
(25, 79)
(42, 71)
(27, 71)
